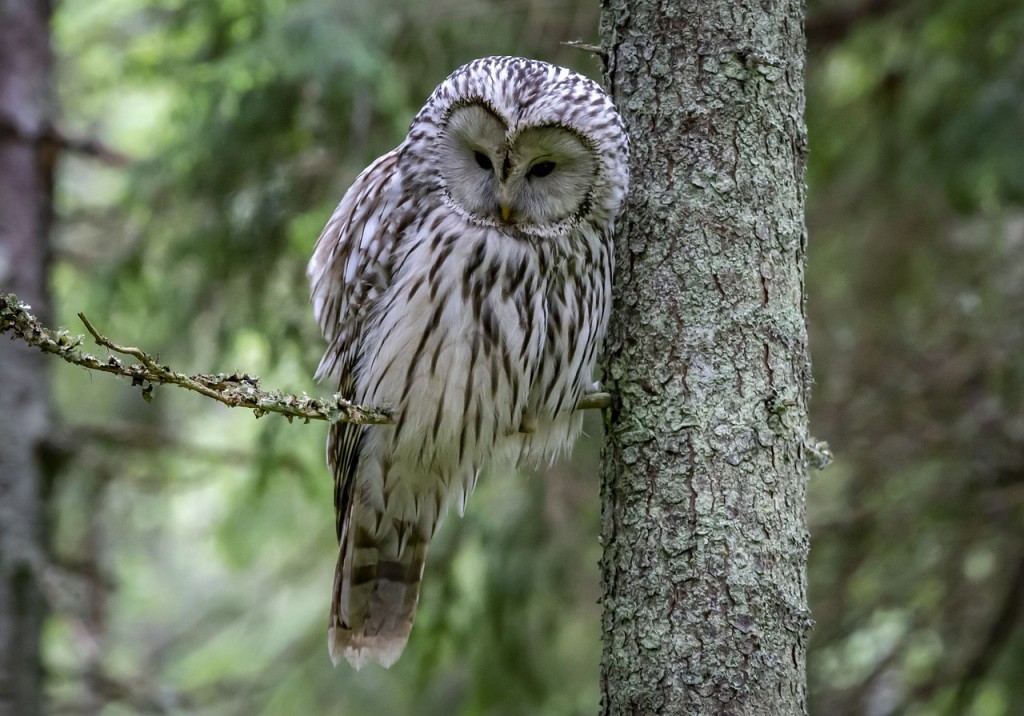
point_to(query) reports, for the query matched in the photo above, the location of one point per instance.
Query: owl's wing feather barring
(351, 263)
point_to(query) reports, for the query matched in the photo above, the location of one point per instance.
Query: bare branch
(238, 390)
(52, 139)
(235, 390)
(595, 401)
(586, 47)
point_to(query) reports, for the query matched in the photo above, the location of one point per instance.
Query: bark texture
(704, 471)
(26, 160)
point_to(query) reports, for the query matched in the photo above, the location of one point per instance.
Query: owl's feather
(351, 264)
(468, 290)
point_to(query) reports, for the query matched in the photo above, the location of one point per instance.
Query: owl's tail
(376, 588)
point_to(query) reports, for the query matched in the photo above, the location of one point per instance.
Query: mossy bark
(26, 164)
(705, 464)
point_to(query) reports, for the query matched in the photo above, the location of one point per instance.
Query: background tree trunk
(704, 471)
(26, 160)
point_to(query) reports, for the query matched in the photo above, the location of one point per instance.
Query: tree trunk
(25, 213)
(704, 470)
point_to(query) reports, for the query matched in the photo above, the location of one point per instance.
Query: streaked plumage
(463, 281)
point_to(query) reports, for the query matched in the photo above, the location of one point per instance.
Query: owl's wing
(349, 270)
(351, 263)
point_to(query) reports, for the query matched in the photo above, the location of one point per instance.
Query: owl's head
(516, 142)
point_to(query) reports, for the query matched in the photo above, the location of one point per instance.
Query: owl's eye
(482, 160)
(541, 169)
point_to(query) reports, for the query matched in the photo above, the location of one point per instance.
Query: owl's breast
(454, 345)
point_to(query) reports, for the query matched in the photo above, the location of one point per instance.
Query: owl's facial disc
(548, 175)
(470, 155)
(543, 175)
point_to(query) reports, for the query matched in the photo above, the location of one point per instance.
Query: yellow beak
(506, 211)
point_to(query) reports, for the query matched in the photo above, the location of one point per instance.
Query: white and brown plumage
(463, 281)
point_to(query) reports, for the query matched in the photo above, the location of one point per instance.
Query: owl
(464, 282)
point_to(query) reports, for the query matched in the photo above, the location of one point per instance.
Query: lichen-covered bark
(25, 208)
(704, 470)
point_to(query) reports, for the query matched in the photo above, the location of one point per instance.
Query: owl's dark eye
(482, 160)
(541, 169)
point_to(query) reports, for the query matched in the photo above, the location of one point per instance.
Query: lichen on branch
(237, 390)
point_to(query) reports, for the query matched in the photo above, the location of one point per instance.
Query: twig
(51, 138)
(595, 401)
(235, 390)
(238, 390)
(586, 47)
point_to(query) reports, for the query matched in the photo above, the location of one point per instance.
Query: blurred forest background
(193, 545)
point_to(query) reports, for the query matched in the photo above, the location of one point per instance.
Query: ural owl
(464, 281)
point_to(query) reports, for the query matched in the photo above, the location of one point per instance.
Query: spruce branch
(237, 390)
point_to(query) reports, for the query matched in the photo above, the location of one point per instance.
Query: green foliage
(213, 533)
(196, 545)
(917, 294)
(927, 94)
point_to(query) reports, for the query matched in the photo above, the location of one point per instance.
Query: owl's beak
(506, 211)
